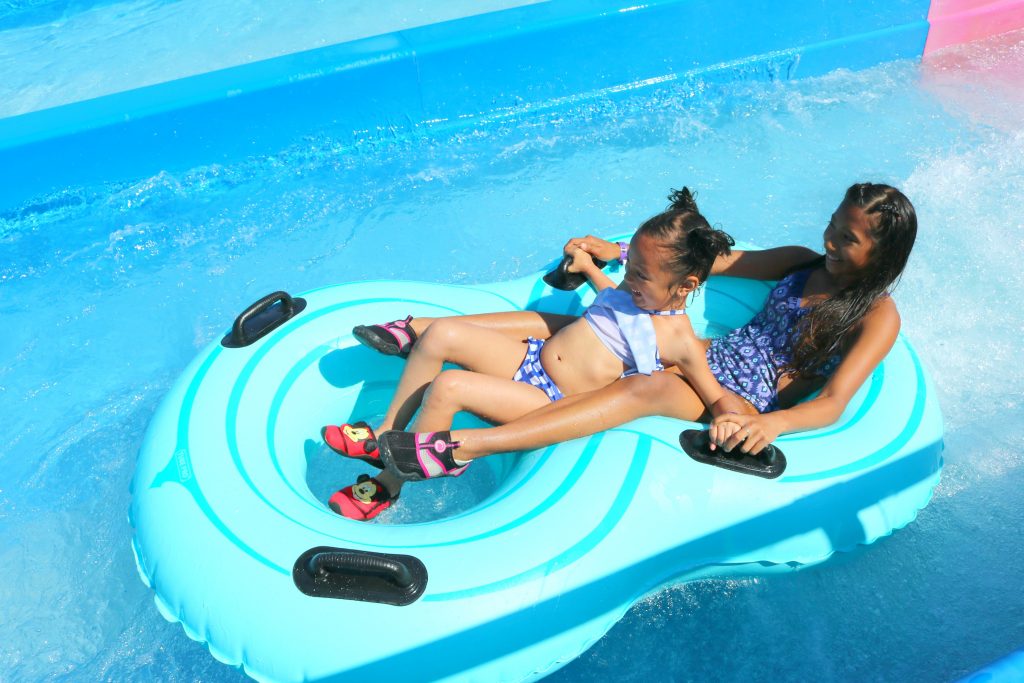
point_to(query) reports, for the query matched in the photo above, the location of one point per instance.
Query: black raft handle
(379, 566)
(769, 463)
(347, 574)
(562, 278)
(261, 317)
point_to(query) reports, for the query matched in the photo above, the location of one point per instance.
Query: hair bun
(682, 200)
(709, 242)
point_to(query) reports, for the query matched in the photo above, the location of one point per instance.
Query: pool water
(108, 291)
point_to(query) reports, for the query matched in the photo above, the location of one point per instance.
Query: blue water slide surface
(444, 74)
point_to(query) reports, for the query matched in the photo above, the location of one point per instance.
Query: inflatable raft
(240, 551)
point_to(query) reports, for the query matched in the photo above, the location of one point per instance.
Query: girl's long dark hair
(824, 331)
(694, 243)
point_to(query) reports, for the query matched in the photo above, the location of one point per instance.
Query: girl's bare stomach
(577, 361)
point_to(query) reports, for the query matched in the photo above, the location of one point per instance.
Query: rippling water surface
(107, 292)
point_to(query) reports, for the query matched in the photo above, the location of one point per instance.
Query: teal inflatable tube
(225, 525)
(1009, 669)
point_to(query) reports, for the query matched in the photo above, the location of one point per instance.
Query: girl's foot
(362, 501)
(392, 339)
(414, 456)
(353, 441)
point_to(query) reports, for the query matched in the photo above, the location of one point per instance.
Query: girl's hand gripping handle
(601, 250)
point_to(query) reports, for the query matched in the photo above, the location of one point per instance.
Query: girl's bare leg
(516, 324)
(494, 399)
(662, 393)
(449, 340)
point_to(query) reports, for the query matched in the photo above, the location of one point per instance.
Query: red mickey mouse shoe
(362, 501)
(353, 441)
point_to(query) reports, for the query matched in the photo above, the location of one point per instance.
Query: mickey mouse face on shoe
(364, 491)
(356, 433)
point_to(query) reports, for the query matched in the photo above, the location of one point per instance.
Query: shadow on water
(344, 368)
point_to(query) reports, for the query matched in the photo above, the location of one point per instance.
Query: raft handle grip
(367, 576)
(769, 463)
(362, 564)
(561, 278)
(263, 317)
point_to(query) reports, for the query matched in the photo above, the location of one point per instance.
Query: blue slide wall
(445, 74)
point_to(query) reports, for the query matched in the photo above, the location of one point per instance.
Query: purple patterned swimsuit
(749, 361)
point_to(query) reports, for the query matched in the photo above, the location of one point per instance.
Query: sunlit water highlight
(107, 292)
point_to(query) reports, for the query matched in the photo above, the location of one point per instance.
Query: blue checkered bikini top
(626, 330)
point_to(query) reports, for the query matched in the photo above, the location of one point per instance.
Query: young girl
(827, 324)
(505, 378)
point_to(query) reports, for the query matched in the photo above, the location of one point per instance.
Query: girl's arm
(679, 346)
(875, 338)
(523, 324)
(766, 264)
(582, 262)
(595, 246)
